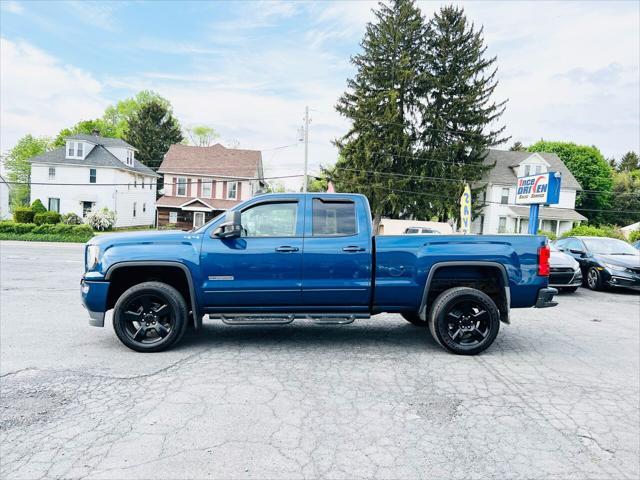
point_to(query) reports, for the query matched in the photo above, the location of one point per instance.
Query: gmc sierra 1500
(280, 257)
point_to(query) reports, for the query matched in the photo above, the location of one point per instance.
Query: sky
(570, 70)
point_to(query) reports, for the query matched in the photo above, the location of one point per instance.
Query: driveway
(557, 396)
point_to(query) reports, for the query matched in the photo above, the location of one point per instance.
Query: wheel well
(124, 278)
(486, 278)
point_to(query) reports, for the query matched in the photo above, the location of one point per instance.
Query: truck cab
(281, 257)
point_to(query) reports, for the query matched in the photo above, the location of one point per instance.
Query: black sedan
(605, 262)
(565, 272)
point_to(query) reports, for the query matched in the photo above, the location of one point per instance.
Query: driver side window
(278, 219)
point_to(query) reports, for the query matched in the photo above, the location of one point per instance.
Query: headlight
(616, 268)
(93, 252)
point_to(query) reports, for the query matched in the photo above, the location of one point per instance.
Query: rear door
(263, 267)
(337, 254)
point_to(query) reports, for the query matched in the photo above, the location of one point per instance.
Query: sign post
(536, 190)
(465, 210)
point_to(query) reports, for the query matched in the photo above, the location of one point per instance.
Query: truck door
(337, 254)
(262, 267)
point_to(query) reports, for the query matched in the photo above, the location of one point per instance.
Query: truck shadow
(304, 335)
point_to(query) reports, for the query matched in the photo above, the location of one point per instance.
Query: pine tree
(459, 116)
(381, 102)
(629, 162)
(152, 130)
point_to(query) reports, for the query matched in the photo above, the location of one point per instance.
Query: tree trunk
(377, 218)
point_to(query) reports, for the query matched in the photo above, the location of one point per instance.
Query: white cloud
(40, 95)
(12, 7)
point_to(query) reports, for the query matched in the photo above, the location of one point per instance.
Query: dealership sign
(543, 188)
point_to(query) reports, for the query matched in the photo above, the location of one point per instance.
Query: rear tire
(464, 321)
(414, 319)
(150, 317)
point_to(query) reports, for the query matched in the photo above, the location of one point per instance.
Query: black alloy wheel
(464, 320)
(150, 317)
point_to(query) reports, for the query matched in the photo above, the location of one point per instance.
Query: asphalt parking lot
(557, 396)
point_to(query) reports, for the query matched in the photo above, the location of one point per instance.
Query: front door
(198, 219)
(337, 255)
(262, 267)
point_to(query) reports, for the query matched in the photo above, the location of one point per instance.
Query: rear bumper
(94, 299)
(545, 298)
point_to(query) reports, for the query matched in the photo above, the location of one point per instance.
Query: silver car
(565, 273)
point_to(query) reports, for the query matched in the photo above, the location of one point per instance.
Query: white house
(5, 214)
(93, 172)
(502, 215)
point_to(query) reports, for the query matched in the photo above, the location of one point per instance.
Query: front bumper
(545, 298)
(94, 299)
(565, 278)
(623, 279)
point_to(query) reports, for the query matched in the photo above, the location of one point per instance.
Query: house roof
(178, 202)
(549, 213)
(99, 156)
(506, 160)
(215, 160)
(98, 140)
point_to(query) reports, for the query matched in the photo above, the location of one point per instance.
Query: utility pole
(306, 147)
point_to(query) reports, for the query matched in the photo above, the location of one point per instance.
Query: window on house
(527, 170)
(504, 197)
(54, 205)
(80, 149)
(52, 173)
(502, 224)
(134, 208)
(173, 217)
(142, 182)
(135, 182)
(92, 175)
(206, 188)
(144, 207)
(70, 150)
(86, 208)
(232, 190)
(181, 189)
(333, 218)
(130, 157)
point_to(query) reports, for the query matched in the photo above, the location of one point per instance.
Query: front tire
(594, 279)
(464, 321)
(150, 317)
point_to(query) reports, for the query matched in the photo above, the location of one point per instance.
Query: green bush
(23, 215)
(45, 232)
(592, 231)
(634, 236)
(550, 235)
(38, 207)
(72, 219)
(83, 230)
(46, 217)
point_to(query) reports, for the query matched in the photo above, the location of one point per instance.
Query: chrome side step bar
(284, 319)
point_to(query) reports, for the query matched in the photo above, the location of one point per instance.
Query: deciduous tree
(18, 166)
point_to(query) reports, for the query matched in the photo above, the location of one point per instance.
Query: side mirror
(577, 252)
(231, 227)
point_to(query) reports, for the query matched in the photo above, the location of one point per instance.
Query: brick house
(202, 182)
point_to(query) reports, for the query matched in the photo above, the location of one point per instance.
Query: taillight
(543, 260)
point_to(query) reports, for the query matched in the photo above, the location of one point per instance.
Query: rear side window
(333, 218)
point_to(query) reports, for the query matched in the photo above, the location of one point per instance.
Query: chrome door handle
(287, 248)
(353, 248)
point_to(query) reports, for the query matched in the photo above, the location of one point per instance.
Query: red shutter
(239, 191)
(188, 187)
(199, 188)
(213, 189)
(224, 190)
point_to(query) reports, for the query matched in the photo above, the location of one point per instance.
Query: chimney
(95, 132)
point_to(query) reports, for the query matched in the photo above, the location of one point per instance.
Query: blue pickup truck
(280, 257)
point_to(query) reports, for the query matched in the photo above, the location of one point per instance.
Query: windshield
(609, 246)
